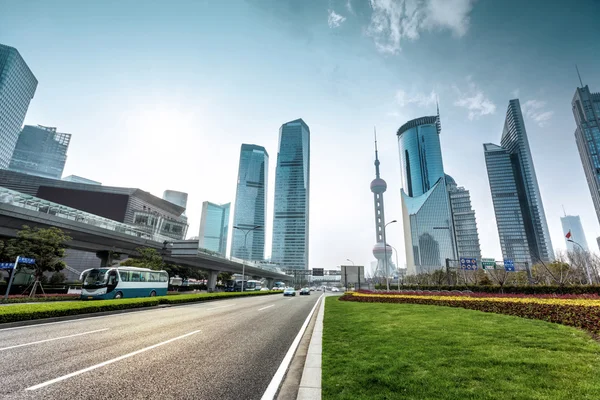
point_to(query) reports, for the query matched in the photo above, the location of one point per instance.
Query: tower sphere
(378, 185)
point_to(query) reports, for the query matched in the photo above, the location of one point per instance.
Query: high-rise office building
(426, 213)
(175, 197)
(572, 224)
(40, 151)
(214, 227)
(463, 218)
(17, 87)
(248, 239)
(520, 216)
(586, 110)
(292, 194)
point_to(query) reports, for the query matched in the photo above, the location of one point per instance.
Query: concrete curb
(310, 384)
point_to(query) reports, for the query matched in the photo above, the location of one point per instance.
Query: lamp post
(587, 267)
(387, 272)
(246, 232)
(347, 259)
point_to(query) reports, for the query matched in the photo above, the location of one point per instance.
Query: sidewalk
(310, 385)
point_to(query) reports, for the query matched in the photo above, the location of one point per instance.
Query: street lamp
(387, 272)
(347, 259)
(246, 232)
(587, 267)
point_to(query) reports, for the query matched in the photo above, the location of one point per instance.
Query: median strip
(53, 339)
(102, 364)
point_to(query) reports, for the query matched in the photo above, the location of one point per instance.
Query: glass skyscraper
(292, 194)
(17, 87)
(250, 204)
(426, 213)
(520, 216)
(572, 223)
(586, 110)
(41, 151)
(463, 218)
(214, 227)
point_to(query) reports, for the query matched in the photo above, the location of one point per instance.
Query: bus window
(164, 277)
(112, 278)
(135, 276)
(124, 276)
(154, 277)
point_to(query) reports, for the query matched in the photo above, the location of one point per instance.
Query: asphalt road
(228, 349)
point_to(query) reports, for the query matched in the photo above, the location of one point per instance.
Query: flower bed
(578, 312)
(459, 293)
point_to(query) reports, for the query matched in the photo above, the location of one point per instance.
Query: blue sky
(160, 95)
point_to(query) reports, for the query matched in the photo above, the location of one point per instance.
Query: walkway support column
(270, 283)
(212, 281)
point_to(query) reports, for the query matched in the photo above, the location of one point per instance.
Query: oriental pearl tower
(383, 253)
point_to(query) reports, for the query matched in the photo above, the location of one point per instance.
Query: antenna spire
(563, 207)
(376, 154)
(579, 75)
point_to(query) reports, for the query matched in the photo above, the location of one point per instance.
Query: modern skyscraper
(586, 110)
(426, 213)
(175, 197)
(463, 217)
(572, 224)
(40, 151)
(17, 87)
(214, 227)
(248, 239)
(520, 216)
(292, 194)
(382, 250)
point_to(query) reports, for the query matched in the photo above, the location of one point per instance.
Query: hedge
(40, 299)
(24, 312)
(583, 313)
(506, 289)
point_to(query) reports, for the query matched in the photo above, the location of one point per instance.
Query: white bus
(123, 282)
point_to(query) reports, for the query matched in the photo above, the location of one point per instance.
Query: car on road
(334, 289)
(312, 289)
(265, 289)
(304, 291)
(289, 292)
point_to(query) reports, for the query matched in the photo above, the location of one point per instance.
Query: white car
(334, 289)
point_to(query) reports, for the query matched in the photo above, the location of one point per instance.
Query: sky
(161, 95)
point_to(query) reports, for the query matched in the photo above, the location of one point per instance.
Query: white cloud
(335, 20)
(535, 110)
(515, 93)
(349, 7)
(474, 100)
(420, 99)
(393, 21)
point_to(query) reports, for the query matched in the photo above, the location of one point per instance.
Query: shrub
(506, 289)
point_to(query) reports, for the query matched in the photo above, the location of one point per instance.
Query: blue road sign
(24, 260)
(7, 265)
(509, 265)
(469, 264)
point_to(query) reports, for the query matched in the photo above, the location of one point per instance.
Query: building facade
(426, 213)
(135, 207)
(586, 111)
(520, 216)
(17, 87)
(464, 221)
(41, 151)
(572, 223)
(175, 197)
(249, 220)
(79, 179)
(292, 195)
(214, 227)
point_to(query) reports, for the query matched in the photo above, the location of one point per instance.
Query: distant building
(572, 223)
(292, 197)
(175, 197)
(520, 216)
(586, 110)
(250, 210)
(214, 227)
(142, 210)
(426, 213)
(464, 222)
(17, 87)
(79, 179)
(40, 151)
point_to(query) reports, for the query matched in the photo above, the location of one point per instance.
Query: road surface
(227, 349)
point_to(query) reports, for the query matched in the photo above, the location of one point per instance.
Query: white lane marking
(102, 364)
(278, 377)
(214, 308)
(260, 309)
(50, 340)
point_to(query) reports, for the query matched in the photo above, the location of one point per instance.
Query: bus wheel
(152, 293)
(118, 295)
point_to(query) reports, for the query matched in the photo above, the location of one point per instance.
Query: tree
(45, 245)
(57, 278)
(149, 258)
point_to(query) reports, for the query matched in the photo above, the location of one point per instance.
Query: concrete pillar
(212, 281)
(270, 283)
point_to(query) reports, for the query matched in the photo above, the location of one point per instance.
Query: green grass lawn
(409, 351)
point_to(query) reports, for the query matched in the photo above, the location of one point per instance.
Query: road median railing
(26, 312)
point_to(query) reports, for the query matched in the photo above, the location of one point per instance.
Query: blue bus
(123, 282)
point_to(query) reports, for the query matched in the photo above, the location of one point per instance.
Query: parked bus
(123, 282)
(236, 286)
